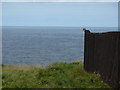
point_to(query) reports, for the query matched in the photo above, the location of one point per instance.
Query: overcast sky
(99, 14)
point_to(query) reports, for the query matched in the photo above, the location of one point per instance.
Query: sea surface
(27, 45)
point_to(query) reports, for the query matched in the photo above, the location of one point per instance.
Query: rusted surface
(101, 55)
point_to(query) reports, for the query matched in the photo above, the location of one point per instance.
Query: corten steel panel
(101, 55)
(119, 61)
(88, 62)
(119, 43)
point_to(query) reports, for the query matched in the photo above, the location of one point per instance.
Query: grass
(57, 75)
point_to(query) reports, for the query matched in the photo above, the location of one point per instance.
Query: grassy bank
(58, 75)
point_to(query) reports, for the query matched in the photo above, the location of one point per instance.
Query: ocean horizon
(31, 45)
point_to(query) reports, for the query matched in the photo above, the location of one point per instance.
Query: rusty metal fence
(101, 55)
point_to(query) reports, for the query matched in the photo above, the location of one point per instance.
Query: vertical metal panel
(101, 55)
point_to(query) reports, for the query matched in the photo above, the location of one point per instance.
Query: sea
(44, 45)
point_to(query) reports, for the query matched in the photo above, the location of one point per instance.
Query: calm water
(44, 45)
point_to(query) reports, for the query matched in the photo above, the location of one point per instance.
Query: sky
(60, 0)
(73, 14)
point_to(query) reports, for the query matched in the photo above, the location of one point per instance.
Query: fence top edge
(111, 32)
(88, 31)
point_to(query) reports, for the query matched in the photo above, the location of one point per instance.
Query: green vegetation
(58, 75)
(0, 77)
